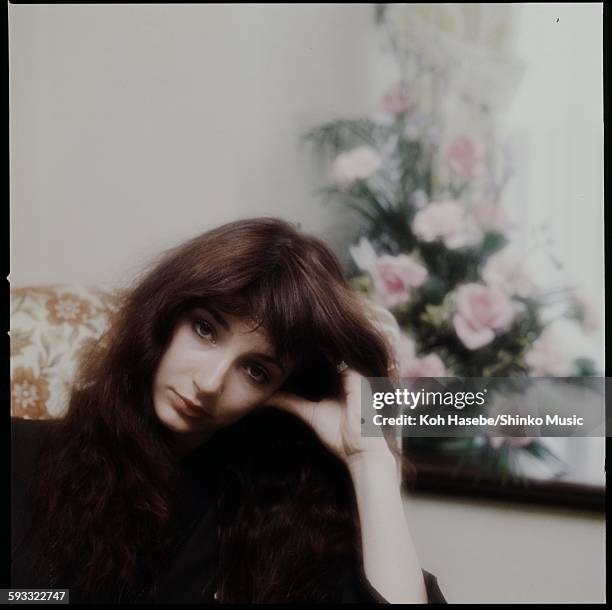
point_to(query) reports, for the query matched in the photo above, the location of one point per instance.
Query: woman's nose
(209, 381)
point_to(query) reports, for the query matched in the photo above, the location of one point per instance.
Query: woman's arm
(390, 562)
(389, 557)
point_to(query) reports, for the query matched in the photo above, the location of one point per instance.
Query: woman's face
(215, 370)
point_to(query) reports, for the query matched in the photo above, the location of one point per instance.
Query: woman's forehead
(242, 325)
(247, 325)
(259, 338)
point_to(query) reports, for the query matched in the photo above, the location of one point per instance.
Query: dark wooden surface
(439, 473)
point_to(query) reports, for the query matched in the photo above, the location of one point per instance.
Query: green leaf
(343, 134)
(540, 451)
(585, 367)
(434, 290)
(354, 205)
(492, 242)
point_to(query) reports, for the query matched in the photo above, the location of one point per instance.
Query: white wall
(499, 552)
(136, 126)
(556, 124)
(487, 551)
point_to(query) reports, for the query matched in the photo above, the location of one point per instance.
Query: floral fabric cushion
(49, 327)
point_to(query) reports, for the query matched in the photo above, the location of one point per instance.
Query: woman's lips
(186, 407)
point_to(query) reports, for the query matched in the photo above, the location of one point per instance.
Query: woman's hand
(337, 422)
(389, 557)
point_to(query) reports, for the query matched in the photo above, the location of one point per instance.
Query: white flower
(555, 350)
(412, 131)
(357, 164)
(382, 118)
(502, 270)
(433, 135)
(364, 255)
(446, 221)
(419, 199)
(491, 216)
(586, 312)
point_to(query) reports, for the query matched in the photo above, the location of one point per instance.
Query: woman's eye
(204, 330)
(258, 374)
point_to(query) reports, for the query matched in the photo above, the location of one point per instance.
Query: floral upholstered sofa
(49, 327)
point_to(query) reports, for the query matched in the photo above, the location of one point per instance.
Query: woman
(212, 450)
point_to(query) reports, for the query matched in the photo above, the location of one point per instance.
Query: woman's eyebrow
(223, 322)
(218, 317)
(269, 359)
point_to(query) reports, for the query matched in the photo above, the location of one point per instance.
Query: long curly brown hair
(287, 510)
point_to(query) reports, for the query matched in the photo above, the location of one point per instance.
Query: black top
(189, 577)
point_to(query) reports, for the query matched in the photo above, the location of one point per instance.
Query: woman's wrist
(379, 465)
(389, 557)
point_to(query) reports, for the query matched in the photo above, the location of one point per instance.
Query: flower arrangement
(437, 250)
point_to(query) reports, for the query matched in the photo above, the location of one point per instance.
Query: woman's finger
(351, 382)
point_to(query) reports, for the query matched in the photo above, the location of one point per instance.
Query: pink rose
(394, 276)
(397, 100)
(446, 221)
(491, 216)
(357, 164)
(428, 366)
(481, 312)
(464, 157)
(410, 365)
